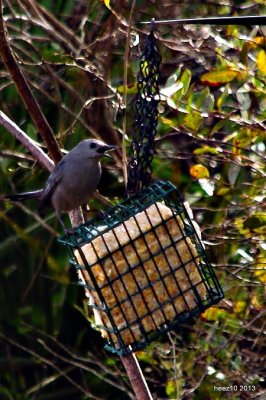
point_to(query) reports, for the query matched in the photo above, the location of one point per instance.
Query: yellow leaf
(256, 41)
(240, 306)
(214, 314)
(107, 3)
(232, 30)
(257, 302)
(261, 61)
(223, 190)
(166, 121)
(260, 271)
(261, 275)
(219, 77)
(242, 75)
(131, 88)
(199, 171)
(259, 40)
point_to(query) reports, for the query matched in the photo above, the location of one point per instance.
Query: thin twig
(236, 20)
(48, 361)
(53, 29)
(82, 365)
(37, 270)
(173, 344)
(38, 219)
(15, 155)
(64, 30)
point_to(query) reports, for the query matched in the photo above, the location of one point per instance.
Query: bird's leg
(63, 225)
(67, 231)
(85, 207)
(85, 211)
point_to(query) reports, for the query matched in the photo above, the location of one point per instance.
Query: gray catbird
(73, 180)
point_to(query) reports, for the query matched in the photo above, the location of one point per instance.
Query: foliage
(210, 142)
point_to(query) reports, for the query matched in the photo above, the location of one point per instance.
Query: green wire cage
(144, 267)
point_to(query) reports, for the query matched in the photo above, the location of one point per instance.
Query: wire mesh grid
(144, 268)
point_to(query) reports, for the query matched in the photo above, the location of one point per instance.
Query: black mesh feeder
(143, 266)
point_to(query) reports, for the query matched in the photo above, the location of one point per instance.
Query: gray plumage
(73, 180)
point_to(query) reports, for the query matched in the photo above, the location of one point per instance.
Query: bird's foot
(102, 215)
(69, 231)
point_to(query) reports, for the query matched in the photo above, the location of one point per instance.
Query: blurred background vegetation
(210, 143)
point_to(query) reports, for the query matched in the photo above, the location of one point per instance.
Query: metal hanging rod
(242, 20)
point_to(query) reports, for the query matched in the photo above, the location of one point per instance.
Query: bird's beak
(105, 148)
(109, 147)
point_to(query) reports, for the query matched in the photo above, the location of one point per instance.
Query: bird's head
(94, 148)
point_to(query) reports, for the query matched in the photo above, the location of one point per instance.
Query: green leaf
(202, 101)
(206, 150)
(244, 138)
(234, 171)
(173, 78)
(169, 91)
(243, 99)
(193, 121)
(185, 79)
(170, 388)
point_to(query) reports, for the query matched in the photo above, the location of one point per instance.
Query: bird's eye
(93, 145)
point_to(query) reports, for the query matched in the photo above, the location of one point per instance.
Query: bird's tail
(23, 196)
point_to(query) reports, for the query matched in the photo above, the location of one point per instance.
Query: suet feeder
(143, 265)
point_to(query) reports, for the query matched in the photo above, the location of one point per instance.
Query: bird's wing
(52, 182)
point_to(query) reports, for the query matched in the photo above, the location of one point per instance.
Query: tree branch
(23, 138)
(26, 94)
(136, 377)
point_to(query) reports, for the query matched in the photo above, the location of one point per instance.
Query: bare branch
(136, 377)
(23, 138)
